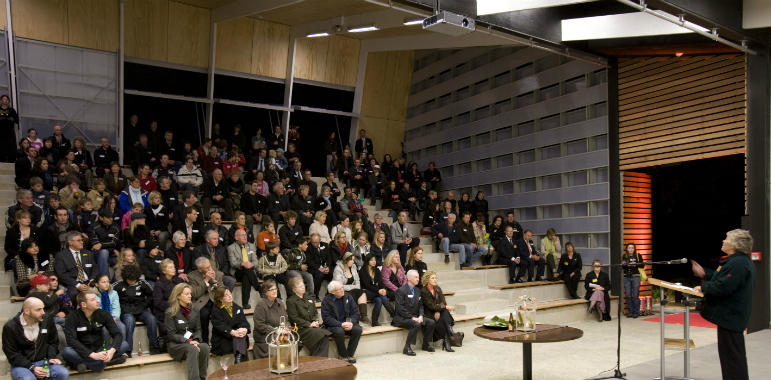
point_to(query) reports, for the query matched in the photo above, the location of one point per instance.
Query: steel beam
(12, 62)
(210, 80)
(289, 83)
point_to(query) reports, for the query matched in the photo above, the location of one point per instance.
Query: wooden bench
(561, 303)
(485, 267)
(17, 299)
(526, 284)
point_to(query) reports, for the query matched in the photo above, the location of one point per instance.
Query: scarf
(228, 308)
(342, 249)
(136, 195)
(156, 210)
(327, 200)
(185, 311)
(106, 301)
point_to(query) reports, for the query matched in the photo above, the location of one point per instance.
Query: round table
(341, 373)
(562, 334)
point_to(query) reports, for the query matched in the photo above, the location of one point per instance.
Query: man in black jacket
(187, 199)
(432, 176)
(59, 141)
(215, 224)
(215, 192)
(527, 252)
(26, 355)
(253, 204)
(24, 201)
(86, 347)
(104, 240)
(75, 265)
(321, 262)
(103, 156)
(363, 144)
(289, 233)
(313, 187)
(136, 296)
(55, 233)
(518, 231)
(409, 314)
(191, 227)
(144, 153)
(509, 255)
(278, 204)
(24, 167)
(215, 251)
(377, 225)
(170, 149)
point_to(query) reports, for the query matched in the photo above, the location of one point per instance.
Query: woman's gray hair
(740, 240)
(332, 285)
(178, 235)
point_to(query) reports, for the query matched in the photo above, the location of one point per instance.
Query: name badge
(101, 156)
(250, 252)
(172, 149)
(430, 217)
(180, 270)
(147, 182)
(594, 280)
(110, 235)
(276, 201)
(222, 238)
(139, 293)
(299, 257)
(320, 248)
(158, 261)
(160, 214)
(465, 230)
(296, 233)
(88, 265)
(195, 231)
(44, 263)
(266, 239)
(43, 331)
(99, 199)
(718, 268)
(238, 311)
(171, 199)
(567, 263)
(82, 328)
(41, 196)
(410, 296)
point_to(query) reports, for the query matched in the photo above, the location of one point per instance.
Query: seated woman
(65, 305)
(136, 235)
(436, 308)
(597, 284)
(21, 230)
(497, 230)
(480, 231)
(303, 314)
(230, 329)
(125, 258)
(319, 227)
(340, 246)
(161, 292)
(183, 321)
(347, 274)
(431, 215)
(570, 269)
(240, 224)
(30, 263)
(360, 249)
(372, 283)
(272, 266)
(344, 226)
(415, 261)
(108, 301)
(552, 251)
(379, 247)
(327, 202)
(391, 199)
(392, 274)
(267, 316)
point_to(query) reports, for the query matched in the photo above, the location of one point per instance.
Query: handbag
(457, 339)
(425, 231)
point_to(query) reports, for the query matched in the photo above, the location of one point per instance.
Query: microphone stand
(617, 374)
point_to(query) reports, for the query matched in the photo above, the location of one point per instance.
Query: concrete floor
(587, 357)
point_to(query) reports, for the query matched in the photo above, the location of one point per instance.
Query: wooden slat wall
(637, 219)
(675, 109)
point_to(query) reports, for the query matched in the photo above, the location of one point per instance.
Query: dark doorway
(694, 204)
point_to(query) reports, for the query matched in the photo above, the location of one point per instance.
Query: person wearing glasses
(267, 316)
(75, 265)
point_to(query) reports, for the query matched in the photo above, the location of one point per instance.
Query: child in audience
(71, 192)
(126, 220)
(65, 304)
(231, 164)
(281, 160)
(98, 194)
(125, 258)
(86, 216)
(39, 194)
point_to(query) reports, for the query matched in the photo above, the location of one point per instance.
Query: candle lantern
(282, 349)
(525, 307)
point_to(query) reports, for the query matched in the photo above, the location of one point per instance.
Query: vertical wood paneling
(378, 84)
(270, 49)
(234, 44)
(342, 60)
(394, 138)
(3, 22)
(188, 35)
(637, 219)
(44, 20)
(678, 109)
(377, 130)
(401, 90)
(146, 29)
(94, 24)
(310, 59)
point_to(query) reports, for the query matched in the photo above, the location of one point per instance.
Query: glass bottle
(139, 352)
(45, 368)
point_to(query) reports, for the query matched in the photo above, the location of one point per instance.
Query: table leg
(527, 361)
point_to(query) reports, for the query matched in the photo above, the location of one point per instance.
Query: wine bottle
(511, 321)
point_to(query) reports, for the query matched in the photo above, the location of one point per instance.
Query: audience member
(216, 252)
(184, 332)
(632, 274)
(392, 274)
(178, 211)
(321, 262)
(157, 219)
(136, 296)
(377, 184)
(181, 255)
(86, 347)
(528, 252)
(212, 161)
(409, 314)
(268, 313)
(42, 170)
(509, 255)
(253, 203)
(391, 199)
(103, 156)
(230, 329)
(432, 176)
(162, 290)
(144, 153)
(552, 251)
(597, 285)
(240, 225)
(341, 318)
(150, 264)
(24, 167)
(415, 262)
(273, 266)
(215, 192)
(146, 181)
(115, 181)
(570, 269)
(98, 194)
(290, 232)
(243, 261)
(131, 195)
(468, 240)
(403, 240)
(347, 273)
(21, 230)
(126, 259)
(204, 281)
(104, 241)
(436, 308)
(267, 235)
(189, 177)
(83, 159)
(297, 262)
(27, 343)
(278, 203)
(59, 141)
(190, 227)
(25, 202)
(518, 231)
(32, 261)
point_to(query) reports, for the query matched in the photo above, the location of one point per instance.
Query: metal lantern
(282, 349)
(525, 307)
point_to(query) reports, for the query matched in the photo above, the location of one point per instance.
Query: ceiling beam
(243, 8)
(434, 41)
(487, 7)
(636, 24)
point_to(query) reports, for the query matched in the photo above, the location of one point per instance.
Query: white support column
(121, 85)
(210, 80)
(11, 62)
(358, 94)
(288, 84)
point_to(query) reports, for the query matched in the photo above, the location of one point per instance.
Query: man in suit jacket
(402, 239)
(363, 144)
(191, 227)
(187, 199)
(409, 314)
(24, 167)
(143, 154)
(527, 252)
(215, 223)
(218, 255)
(215, 191)
(243, 261)
(313, 187)
(204, 282)
(72, 276)
(509, 255)
(321, 262)
(278, 203)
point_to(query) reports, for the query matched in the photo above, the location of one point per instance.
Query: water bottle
(45, 368)
(104, 346)
(139, 352)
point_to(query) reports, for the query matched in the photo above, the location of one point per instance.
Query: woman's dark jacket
(222, 324)
(302, 312)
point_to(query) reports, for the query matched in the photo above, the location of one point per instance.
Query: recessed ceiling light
(320, 34)
(413, 21)
(363, 28)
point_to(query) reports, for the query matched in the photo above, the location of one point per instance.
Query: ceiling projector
(449, 23)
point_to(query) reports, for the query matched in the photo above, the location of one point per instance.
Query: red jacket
(211, 163)
(147, 184)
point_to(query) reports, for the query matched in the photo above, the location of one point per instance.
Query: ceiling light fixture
(413, 21)
(319, 34)
(363, 28)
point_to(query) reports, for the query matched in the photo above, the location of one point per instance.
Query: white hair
(200, 261)
(178, 235)
(332, 285)
(412, 272)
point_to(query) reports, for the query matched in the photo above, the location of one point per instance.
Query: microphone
(681, 261)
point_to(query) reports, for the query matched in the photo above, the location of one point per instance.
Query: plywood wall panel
(234, 44)
(394, 138)
(146, 29)
(189, 29)
(378, 84)
(94, 24)
(44, 20)
(401, 90)
(2, 12)
(377, 130)
(342, 61)
(310, 59)
(270, 49)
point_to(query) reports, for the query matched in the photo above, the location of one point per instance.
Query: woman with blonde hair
(126, 257)
(184, 332)
(436, 308)
(392, 274)
(360, 249)
(161, 292)
(319, 227)
(379, 248)
(552, 251)
(136, 235)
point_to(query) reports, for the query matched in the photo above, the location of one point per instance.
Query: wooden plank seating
(485, 267)
(17, 299)
(526, 284)
(561, 303)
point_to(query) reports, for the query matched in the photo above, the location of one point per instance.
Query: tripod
(617, 374)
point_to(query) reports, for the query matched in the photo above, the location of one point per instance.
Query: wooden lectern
(685, 344)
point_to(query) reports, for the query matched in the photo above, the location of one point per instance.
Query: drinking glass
(225, 363)
(348, 320)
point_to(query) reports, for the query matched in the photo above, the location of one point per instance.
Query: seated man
(75, 265)
(191, 227)
(469, 240)
(278, 203)
(55, 233)
(409, 314)
(218, 255)
(402, 237)
(215, 192)
(448, 237)
(103, 156)
(321, 262)
(24, 167)
(527, 252)
(86, 348)
(104, 240)
(253, 204)
(215, 224)
(508, 254)
(29, 338)
(187, 199)
(289, 233)
(136, 296)
(24, 201)
(337, 309)
(243, 260)
(204, 281)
